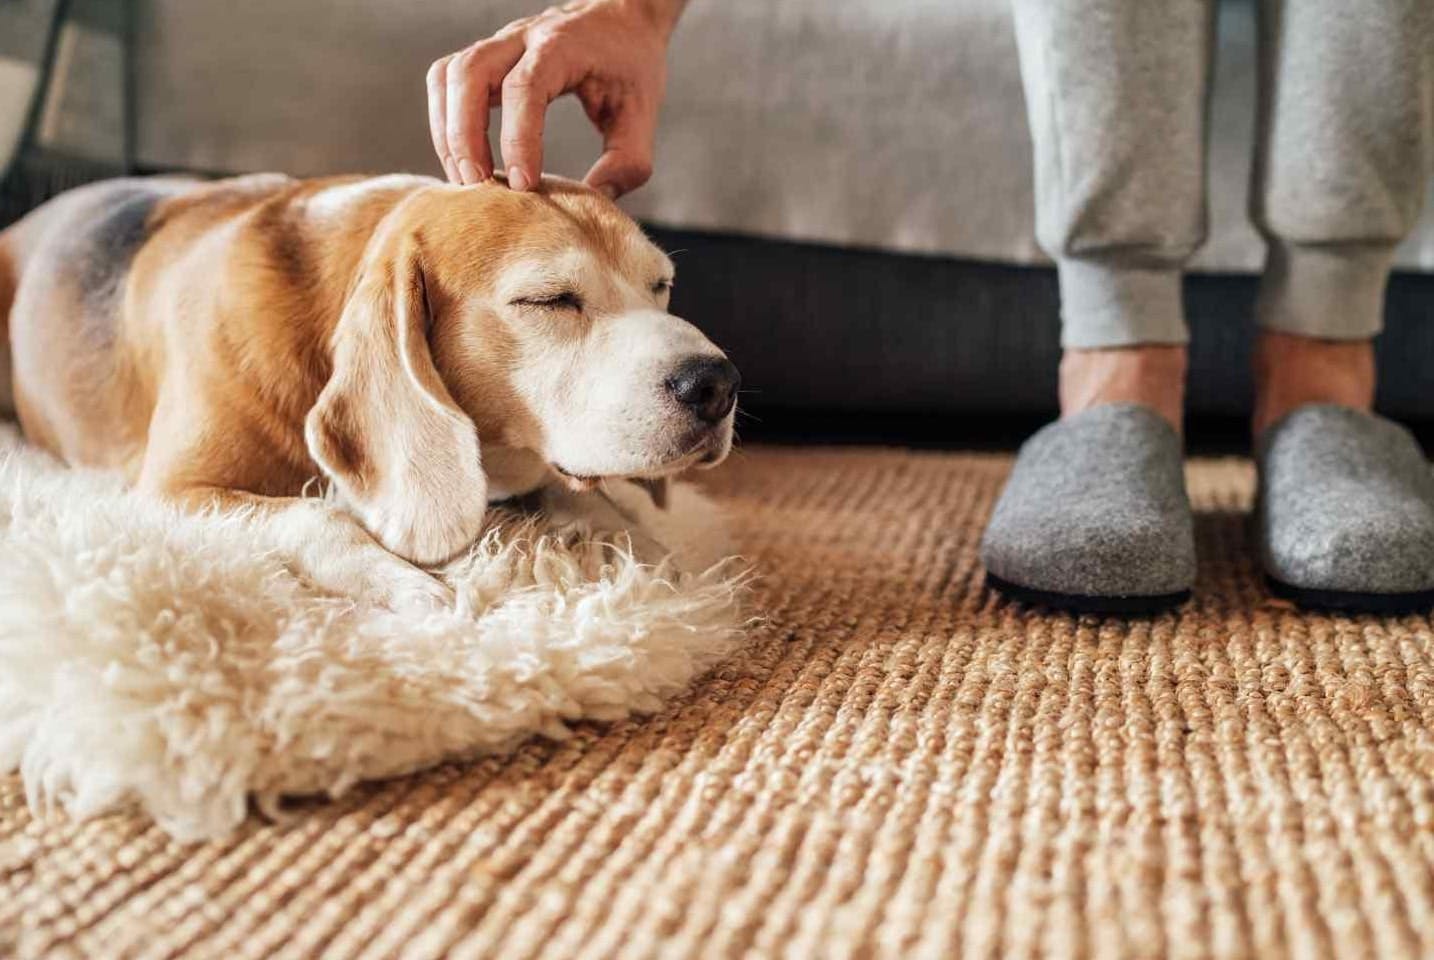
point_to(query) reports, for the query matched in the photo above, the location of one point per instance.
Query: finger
(626, 160)
(466, 126)
(437, 83)
(527, 90)
(471, 77)
(466, 117)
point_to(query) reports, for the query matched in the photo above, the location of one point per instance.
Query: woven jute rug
(897, 764)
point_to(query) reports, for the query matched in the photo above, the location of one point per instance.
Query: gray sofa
(848, 183)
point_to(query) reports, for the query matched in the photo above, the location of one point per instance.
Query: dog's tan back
(128, 283)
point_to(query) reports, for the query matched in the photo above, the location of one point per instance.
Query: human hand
(611, 53)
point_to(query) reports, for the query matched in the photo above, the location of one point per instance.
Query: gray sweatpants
(1117, 91)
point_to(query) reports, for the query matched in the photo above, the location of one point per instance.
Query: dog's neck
(513, 472)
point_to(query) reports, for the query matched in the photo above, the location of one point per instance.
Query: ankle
(1152, 376)
(1292, 371)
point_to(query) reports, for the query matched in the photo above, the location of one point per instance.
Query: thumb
(626, 161)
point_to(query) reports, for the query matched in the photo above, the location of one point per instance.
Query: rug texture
(895, 764)
(174, 662)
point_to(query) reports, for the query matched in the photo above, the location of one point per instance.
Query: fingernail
(607, 190)
(470, 172)
(450, 170)
(517, 179)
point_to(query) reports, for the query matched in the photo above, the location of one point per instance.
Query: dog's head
(536, 321)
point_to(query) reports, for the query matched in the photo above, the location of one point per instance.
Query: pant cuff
(1333, 292)
(1106, 306)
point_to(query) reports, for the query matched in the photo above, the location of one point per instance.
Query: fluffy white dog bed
(153, 657)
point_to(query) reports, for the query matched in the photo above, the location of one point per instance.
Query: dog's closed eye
(566, 300)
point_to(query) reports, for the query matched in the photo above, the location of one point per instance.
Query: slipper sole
(1341, 601)
(1136, 606)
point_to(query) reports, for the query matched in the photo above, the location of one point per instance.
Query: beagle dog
(423, 349)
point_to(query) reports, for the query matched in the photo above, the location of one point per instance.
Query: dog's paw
(328, 549)
(402, 586)
(399, 585)
(373, 575)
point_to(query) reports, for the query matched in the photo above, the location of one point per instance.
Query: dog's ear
(385, 430)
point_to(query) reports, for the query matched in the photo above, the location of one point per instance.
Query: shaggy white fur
(154, 657)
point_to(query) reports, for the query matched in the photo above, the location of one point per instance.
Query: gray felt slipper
(1345, 513)
(1095, 517)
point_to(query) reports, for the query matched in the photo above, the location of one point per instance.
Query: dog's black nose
(707, 385)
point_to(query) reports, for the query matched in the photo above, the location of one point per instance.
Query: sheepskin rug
(174, 661)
